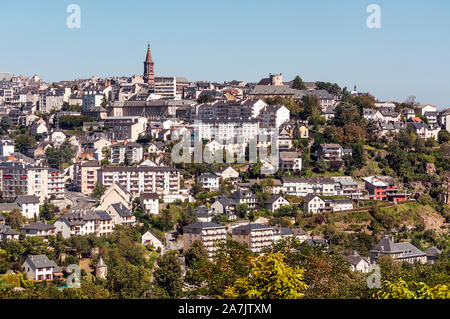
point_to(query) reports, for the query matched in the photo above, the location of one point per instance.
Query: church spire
(149, 71)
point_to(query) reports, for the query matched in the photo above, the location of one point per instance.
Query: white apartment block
(43, 182)
(305, 186)
(256, 236)
(210, 234)
(132, 151)
(227, 130)
(166, 86)
(142, 179)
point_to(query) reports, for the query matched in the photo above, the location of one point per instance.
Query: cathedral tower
(149, 71)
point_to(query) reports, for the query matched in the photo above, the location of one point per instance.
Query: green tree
(15, 219)
(298, 83)
(99, 190)
(195, 253)
(400, 289)
(167, 277)
(241, 210)
(6, 123)
(270, 278)
(24, 141)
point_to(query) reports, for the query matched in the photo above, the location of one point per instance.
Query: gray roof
(203, 225)
(121, 210)
(7, 207)
(355, 258)
(41, 261)
(6, 230)
(38, 226)
(26, 199)
(432, 251)
(251, 227)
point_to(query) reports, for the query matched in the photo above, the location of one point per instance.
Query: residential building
(85, 222)
(256, 236)
(121, 215)
(209, 181)
(7, 232)
(313, 204)
(38, 229)
(39, 267)
(149, 238)
(398, 251)
(275, 202)
(142, 179)
(210, 234)
(29, 205)
(290, 161)
(85, 176)
(150, 203)
(25, 179)
(131, 152)
(245, 197)
(358, 263)
(302, 186)
(115, 193)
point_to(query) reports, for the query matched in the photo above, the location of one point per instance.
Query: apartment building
(6, 147)
(150, 203)
(38, 229)
(142, 179)
(22, 179)
(290, 162)
(85, 176)
(299, 186)
(210, 234)
(398, 251)
(85, 222)
(256, 236)
(225, 130)
(166, 86)
(209, 181)
(131, 151)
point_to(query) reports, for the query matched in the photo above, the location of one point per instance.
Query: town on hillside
(160, 187)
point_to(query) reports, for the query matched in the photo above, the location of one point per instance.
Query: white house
(150, 203)
(29, 204)
(148, 238)
(314, 204)
(358, 263)
(209, 181)
(39, 267)
(275, 202)
(229, 173)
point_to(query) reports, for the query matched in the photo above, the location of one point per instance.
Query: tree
(167, 278)
(47, 211)
(99, 190)
(15, 219)
(205, 98)
(270, 278)
(24, 141)
(195, 253)
(401, 289)
(443, 136)
(6, 123)
(241, 210)
(298, 83)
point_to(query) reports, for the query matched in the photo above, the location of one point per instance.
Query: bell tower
(149, 71)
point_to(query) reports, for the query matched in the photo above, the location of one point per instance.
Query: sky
(320, 40)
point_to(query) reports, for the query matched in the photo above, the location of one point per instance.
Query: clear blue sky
(325, 40)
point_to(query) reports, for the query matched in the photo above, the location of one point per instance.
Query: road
(79, 201)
